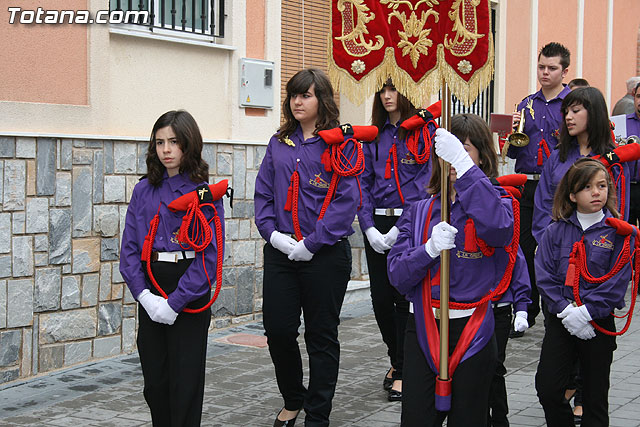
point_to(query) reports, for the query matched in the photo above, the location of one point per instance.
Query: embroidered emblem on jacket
(469, 255)
(408, 159)
(174, 238)
(603, 242)
(319, 182)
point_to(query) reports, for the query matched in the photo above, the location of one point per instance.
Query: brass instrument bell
(633, 139)
(519, 138)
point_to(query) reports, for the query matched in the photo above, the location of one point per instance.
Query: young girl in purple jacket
(586, 232)
(414, 267)
(172, 342)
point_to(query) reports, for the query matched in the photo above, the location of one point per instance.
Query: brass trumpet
(519, 138)
(633, 139)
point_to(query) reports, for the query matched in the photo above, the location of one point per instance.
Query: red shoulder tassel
(326, 160)
(571, 275)
(470, 244)
(287, 205)
(387, 169)
(539, 156)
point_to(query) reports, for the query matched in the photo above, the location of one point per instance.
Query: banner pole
(444, 255)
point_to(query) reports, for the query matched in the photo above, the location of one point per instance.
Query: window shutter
(305, 27)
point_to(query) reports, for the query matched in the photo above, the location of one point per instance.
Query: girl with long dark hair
(172, 342)
(586, 132)
(480, 212)
(307, 260)
(393, 178)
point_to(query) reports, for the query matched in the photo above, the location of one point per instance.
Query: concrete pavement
(241, 388)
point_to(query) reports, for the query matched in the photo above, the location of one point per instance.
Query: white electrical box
(256, 83)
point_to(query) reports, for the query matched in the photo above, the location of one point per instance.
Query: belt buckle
(389, 211)
(437, 314)
(175, 258)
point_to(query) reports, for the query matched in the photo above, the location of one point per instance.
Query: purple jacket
(519, 291)
(545, 124)
(272, 183)
(633, 128)
(602, 245)
(472, 275)
(552, 173)
(143, 206)
(378, 192)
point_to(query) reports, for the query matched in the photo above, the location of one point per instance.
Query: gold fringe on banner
(419, 93)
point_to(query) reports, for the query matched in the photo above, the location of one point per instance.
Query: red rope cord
(341, 165)
(413, 142)
(393, 152)
(578, 259)
(512, 251)
(197, 235)
(295, 182)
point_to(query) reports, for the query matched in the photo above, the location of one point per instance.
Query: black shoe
(387, 383)
(516, 334)
(287, 423)
(394, 395)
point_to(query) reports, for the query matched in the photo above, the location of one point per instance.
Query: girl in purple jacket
(307, 260)
(172, 342)
(585, 132)
(393, 179)
(481, 217)
(585, 233)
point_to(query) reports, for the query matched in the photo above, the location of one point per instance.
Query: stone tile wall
(62, 209)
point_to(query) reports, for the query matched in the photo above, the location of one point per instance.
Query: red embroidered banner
(418, 43)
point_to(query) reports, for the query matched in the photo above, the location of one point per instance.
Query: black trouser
(634, 203)
(173, 357)
(498, 405)
(389, 306)
(528, 245)
(559, 352)
(469, 389)
(315, 288)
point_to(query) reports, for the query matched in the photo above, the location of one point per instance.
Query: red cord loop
(194, 234)
(511, 249)
(578, 269)
(341, 165)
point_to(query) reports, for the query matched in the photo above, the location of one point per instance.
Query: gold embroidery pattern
(530, 107)
(413, 28)
(319, 182)
(288, 141)
(174, 238)
(469, 255)
(603, 242)
(465, 25)
(408, 159)
(354, 29)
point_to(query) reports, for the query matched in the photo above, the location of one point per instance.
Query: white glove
(149, 302)
(282, 242)
(520, 323)
(443, 236)
(576, 319)
(300, 253)
(391, 236)
(586, 333)
(164, 313)
(450, 149)
(376, 240)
